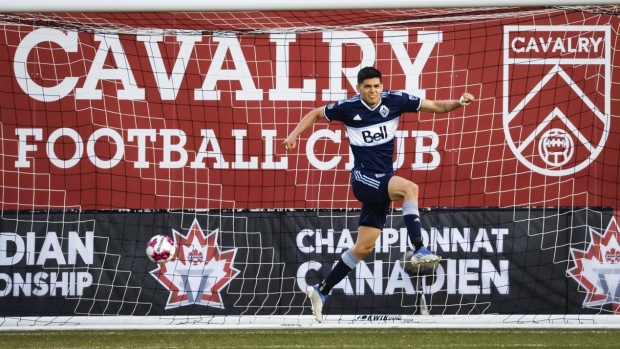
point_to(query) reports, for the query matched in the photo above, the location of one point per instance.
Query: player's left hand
(466, 98)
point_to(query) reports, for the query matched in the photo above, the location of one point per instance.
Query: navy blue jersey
(371, 130)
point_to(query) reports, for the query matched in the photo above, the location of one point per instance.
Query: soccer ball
(161, 249)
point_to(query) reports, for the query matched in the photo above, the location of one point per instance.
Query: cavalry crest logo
(556, 118)
(199, 271)
(597, 269)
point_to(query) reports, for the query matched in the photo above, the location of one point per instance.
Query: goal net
(116, 127)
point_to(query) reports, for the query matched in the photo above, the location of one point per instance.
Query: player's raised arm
(446, 106)
(306, 122)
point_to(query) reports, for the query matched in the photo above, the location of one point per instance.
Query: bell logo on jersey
(370, 137)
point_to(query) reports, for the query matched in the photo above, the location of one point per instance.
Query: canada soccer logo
(199, 271)
(597, 269)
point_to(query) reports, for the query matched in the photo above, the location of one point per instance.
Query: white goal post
(265, 5)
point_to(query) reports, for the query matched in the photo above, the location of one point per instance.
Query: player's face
(370, 91)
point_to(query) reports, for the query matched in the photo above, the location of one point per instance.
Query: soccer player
(371, 119)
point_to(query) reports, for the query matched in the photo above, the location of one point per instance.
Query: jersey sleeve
(333, 111)
(410, 103)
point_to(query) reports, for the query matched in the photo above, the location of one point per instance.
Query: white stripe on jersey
(365, 179)
(373, 135)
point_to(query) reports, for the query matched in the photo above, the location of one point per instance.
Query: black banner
(511, 261)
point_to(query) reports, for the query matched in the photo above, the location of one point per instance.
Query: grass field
(316, 338)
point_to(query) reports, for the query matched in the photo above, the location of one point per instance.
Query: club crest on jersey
(384, 111)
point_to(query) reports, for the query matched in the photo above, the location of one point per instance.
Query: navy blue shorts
(371, 189)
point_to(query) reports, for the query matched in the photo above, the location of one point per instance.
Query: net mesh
(120, 126)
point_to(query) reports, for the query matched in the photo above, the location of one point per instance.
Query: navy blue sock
(411, 215)
(344, 266)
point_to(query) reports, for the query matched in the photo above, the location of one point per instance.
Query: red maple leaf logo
(612, 256)
(597, 270)
(199, 271)
(196, 257)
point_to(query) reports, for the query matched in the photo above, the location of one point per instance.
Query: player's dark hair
(368, 73)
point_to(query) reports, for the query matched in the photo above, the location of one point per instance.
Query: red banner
(190, 121)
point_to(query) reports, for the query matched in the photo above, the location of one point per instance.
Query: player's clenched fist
(466, 98)
(289, 143)
(306, 122)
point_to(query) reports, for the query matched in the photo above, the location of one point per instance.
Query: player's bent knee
(412, 188)
(360, 252)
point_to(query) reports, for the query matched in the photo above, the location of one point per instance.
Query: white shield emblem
(557, 87)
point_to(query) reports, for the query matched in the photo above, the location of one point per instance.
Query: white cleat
(424, 256)
(317, 299)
